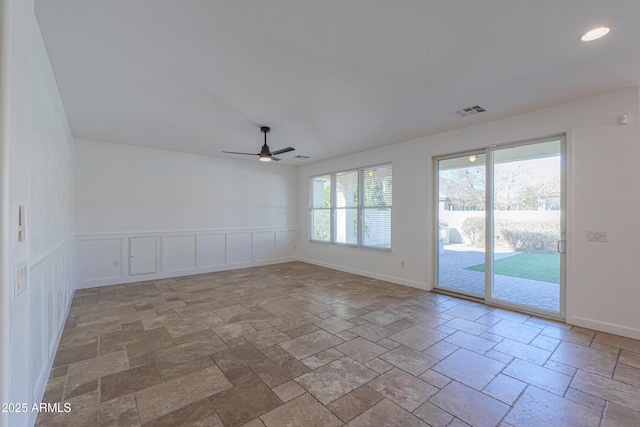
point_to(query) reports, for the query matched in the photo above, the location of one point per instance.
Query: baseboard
(610, 328)
(180, 273)
(392, 279)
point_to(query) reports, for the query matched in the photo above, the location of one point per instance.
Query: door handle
(560, 243)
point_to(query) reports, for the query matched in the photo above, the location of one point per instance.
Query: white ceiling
(330, 77)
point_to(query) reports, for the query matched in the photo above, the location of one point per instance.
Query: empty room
(304, 213)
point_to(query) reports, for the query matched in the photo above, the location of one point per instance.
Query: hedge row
(528, 235)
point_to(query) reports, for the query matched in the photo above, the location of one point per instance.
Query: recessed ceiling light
(595, 34)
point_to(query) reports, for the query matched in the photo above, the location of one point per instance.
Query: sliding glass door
(461, 222)
(511, 254)
(527, 232)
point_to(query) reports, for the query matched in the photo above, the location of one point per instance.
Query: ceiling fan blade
(246, 154)
(283, 150)
(264, 154)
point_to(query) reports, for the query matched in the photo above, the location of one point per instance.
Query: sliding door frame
(489, 226)
(436, 219)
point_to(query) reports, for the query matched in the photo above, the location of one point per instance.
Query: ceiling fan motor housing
(265, 154)
(265, 151)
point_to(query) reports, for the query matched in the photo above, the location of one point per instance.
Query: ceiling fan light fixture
(595, 34)
(265, 154)
(265, 157)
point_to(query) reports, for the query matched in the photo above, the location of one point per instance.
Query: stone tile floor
(299, 345)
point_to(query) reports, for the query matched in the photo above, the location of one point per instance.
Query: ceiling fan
(265, 154)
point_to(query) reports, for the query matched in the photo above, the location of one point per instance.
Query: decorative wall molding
(116, 258)
(51, 287)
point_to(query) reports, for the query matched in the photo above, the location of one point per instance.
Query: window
(346, 210)
(376, 207)
(321, 208)
(352, 207)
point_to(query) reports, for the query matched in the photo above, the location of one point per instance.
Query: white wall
(604, 171)
(38, 174)
(206, 213)
(408, 219)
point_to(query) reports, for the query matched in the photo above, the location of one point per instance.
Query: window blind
(376, 206)
(352, 207)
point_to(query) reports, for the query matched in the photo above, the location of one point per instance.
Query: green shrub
(473, 230)
(532, 235)
(526, 235)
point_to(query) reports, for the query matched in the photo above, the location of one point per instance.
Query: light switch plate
(596, 236)
(22, 223)
(20, 277)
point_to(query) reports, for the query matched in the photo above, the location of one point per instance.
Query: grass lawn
(533, 266)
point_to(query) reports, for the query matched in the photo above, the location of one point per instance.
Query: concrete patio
(453, 274)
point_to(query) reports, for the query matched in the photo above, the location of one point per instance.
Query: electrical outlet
(596, 236)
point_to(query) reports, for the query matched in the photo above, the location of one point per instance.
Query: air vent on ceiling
(301, 157)
(470, 111)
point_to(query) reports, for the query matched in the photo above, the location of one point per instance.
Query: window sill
(354, 247)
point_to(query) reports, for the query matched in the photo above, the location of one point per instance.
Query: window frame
(312, 208)
(359, 209)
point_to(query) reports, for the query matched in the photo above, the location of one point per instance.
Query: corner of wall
(5, 273)
(35, 150)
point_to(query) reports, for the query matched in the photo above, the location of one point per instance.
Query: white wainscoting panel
(38, 328)
(100, 259)
(143, 255)
(51, 286)
(180, 252)
(51, 297)
(212, 250)
(239, 247)
(264, 245)
(286, 243)
(105, 259)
